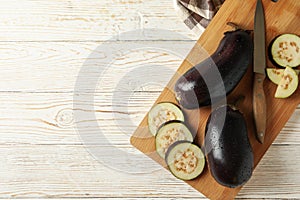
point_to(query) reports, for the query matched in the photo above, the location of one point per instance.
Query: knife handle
(259, 106)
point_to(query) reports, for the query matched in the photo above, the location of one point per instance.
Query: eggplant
(227, 147)
(215, 77)
(169, 133)
(185, 160)
(288, 83)
(285, 50)
(162, 113)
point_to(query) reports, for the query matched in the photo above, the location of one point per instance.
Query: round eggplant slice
(285, 50)
(185, 160)
(288, 83)
(162, 113)
(170, 133)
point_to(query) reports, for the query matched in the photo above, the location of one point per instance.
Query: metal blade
(259, 39)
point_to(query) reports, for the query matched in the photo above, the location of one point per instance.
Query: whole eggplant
(227, 147)
(215, 77)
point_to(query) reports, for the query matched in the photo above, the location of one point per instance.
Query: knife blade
(259, 65)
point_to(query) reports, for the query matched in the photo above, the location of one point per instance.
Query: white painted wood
(55, 66)
(69, 171)
(48, 118)
(31, 20)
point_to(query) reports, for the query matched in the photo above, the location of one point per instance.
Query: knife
(259, 65)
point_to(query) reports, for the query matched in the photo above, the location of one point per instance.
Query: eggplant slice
(185, 160)
(285, 50)
(288, 83)
(170, 133)
(162, 113)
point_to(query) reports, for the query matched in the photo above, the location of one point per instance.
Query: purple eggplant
(214, 78)
(227, 147)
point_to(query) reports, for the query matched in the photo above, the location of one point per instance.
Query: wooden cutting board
(281, 17)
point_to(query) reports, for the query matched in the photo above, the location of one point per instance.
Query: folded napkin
(197, 14)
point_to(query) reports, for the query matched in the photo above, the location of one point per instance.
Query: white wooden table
(44, 45)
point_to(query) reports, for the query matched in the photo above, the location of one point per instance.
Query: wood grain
(48, 119)
(259, 106)
(278, 111)
(64, 171)
(55, 66)
(31, 20)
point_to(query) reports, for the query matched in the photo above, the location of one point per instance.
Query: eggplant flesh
(285, 50)
(169, 133)
(185, 160)
(227, 147)
(162, 113)
(215, 77)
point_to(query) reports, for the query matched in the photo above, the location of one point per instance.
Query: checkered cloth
(197, 14)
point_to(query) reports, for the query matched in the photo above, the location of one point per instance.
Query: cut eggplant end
(288, 83)
(169, 133)
(185, 160)
(162, 113)
(285, 50)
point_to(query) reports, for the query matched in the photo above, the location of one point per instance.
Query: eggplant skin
(215, 77)
(227, 147)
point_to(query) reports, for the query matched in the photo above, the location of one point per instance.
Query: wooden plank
(61, 171)
(279, 110)
(30, 20)
(47, 118)
(55, 66)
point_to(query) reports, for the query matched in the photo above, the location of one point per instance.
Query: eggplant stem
(237, 102)
(237, 27)
(233, 25)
